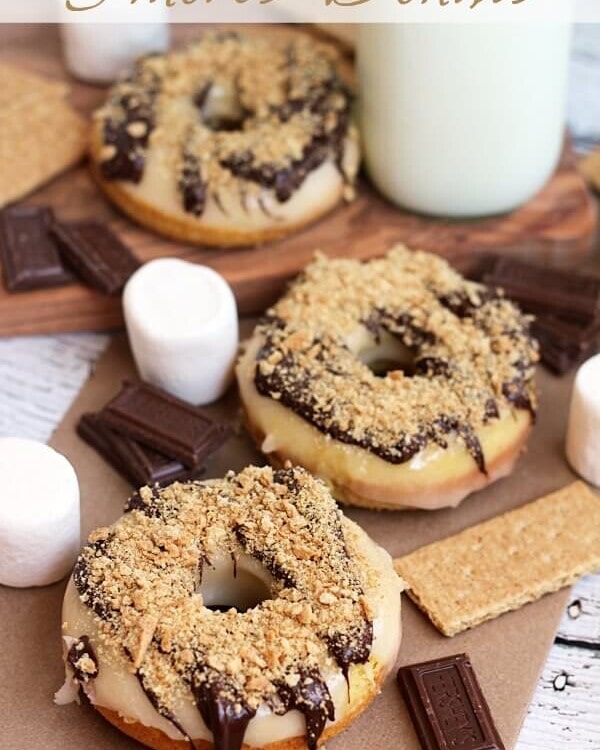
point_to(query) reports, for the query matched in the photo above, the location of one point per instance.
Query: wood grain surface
(556, 226)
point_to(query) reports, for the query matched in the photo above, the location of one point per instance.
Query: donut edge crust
(357, 495)
(157, 740)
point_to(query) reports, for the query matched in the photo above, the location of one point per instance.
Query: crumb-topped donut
(243, 612)
(397, 381)
(239, 138)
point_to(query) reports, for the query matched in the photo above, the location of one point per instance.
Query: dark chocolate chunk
(138, 463)
(96, 254)
(30, 257)
(538, 289)
(165, 423)
(447, 707)
(565, 344)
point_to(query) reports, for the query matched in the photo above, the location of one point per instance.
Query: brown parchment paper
(508, 653)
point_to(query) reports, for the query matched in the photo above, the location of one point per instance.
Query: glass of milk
(462, 120)
(98, 52)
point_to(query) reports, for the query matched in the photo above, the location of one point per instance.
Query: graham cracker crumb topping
(141, 575)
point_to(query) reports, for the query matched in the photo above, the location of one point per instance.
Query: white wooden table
(40, 376)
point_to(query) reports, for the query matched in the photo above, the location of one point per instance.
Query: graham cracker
(504, 563)
(41, 134)
(589, 166)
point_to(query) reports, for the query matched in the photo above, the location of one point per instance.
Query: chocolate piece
(538, 289)
(564, 344)
(30, 257)
(447, 707)
(141, 465)
(165, 423)
(566, 305)
(96, 254)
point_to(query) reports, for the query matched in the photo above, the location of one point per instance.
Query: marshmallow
(183, 328)
(583, 434)
(39, 514)
(99, 52)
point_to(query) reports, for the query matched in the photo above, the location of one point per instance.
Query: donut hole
(242, 585)
(221, 108)
(388, 354)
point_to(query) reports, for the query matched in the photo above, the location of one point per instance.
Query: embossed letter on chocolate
(447, 707)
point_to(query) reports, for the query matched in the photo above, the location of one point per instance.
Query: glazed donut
(246, 612)
(239, 138)
(396, 381)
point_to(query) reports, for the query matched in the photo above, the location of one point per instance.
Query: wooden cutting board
(557, 226)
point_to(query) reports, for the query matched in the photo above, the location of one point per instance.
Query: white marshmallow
(583, 434)
(183, 328)
(99, 52)
(39, 514)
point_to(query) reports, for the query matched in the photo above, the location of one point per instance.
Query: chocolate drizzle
(464, 306)
(89, 593)
(311, 697)
(353, 647)
(446, 425)
(127, 133)
(283, 181)
(294, 391)
(267, 558)
(468, 337)
(223, 709)
(158, 707)
(150, 506)
(192, 187)
(516, 392)
(82, 658)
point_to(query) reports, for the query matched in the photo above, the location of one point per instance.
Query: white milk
(462, 119)
(99, 52)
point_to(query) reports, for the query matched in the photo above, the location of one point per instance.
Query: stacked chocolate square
(566, 306)
(151, 437)
(39, 252)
